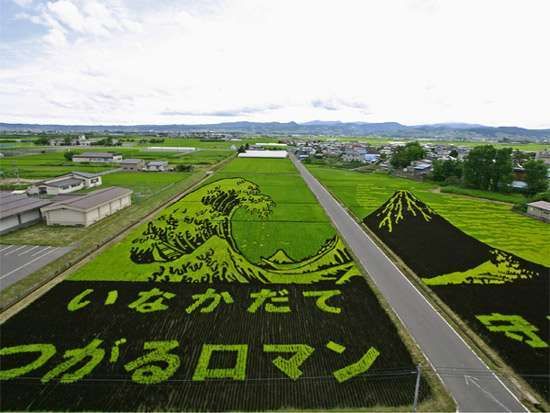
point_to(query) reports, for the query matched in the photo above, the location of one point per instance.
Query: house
(156, 166)
(87, 209)
(540, 210)
(64, 184)
(132, 164)
(97, 157)
(19, 210)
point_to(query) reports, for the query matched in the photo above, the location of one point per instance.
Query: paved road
(469, 380)
(18, 261)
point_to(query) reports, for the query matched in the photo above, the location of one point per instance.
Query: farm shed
(87, 209)
(264, 154)
(132, 164)
(97, 157)
(64, 184)
(19, 210)
(540, 210)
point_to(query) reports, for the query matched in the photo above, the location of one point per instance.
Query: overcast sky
(191, 61)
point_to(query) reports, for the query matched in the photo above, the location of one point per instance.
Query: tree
(67, 141)
(446, 169)
(69, 155)
(488, 168)
(42, 141)
(501, 177)
(404, 155)
(184, 168)
(478, 165)
(536, 176)
(454, 153)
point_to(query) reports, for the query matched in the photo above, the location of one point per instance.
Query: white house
(87, 209)
(156, 166)
(97, 157)
(65, 184)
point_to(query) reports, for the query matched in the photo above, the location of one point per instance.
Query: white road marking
(29, 250)
(475, 381)
(7, 248)
(17, 249)
(28, 263)
(39, 251)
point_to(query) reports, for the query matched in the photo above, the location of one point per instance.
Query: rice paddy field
(239, 296)
(492, 223)
(53, 163)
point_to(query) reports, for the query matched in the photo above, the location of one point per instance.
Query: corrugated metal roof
(85, 174)
(12, 204)
(540, 205)
(131, 161)
(92, 199)
(65, 182)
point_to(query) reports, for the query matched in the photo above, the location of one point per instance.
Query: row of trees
(490, 169)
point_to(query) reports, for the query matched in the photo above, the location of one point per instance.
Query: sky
(209, 61)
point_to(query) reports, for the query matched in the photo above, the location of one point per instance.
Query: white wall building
(97, 157)
(65, 184)
(19, 210)
(88, 209)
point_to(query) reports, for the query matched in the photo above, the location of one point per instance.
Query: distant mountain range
(316, 127)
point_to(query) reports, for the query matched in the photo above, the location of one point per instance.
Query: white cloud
(416, 61)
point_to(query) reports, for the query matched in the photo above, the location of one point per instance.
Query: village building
(540, 210)
(97, 157)
(87, 209)
(156, 166)
(132, 164)
(71, 182)
(19, 210)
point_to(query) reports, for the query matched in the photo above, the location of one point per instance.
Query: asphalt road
(471, 383)
(18, 261)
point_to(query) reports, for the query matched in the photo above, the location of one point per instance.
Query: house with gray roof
(64, 184)
(19, 210)
(89, 208)
(156, 166)
(132, 164)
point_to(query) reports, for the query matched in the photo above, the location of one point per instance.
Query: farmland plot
(501, 296)
(222, 302)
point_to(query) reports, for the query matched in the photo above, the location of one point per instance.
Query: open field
(490, 222)
(204, 301)
(144, 184)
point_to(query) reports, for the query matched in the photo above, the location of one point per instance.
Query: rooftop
(540, 205)
(12, 204)
(65, 182)
(132, 161)
(92, 199)
(95, 155)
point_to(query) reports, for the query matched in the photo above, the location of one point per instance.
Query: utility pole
(417, 387)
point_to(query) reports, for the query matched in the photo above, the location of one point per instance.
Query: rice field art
(504, 298)
(185, 321)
